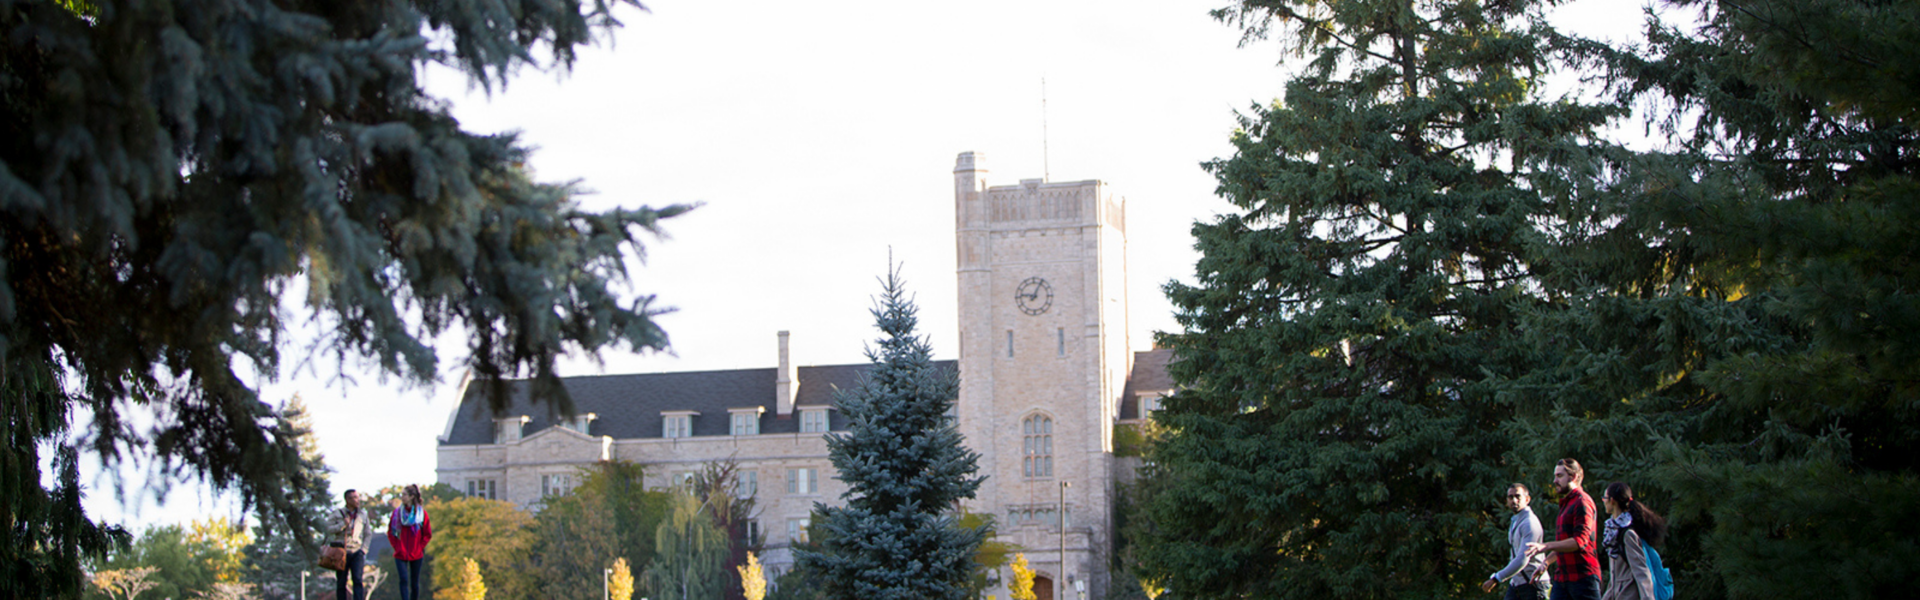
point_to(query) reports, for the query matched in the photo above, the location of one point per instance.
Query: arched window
(1037, 433)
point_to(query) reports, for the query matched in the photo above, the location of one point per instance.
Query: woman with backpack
(408, 531)
(1629, 535)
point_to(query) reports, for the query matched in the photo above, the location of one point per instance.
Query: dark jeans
(1584, 588)
(356, 562)
(409, 572)
(1525, 591)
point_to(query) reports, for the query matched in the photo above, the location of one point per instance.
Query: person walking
(350, 524)
(1629, 523)
(1525, 574)
(408, 531)
(1576, 569)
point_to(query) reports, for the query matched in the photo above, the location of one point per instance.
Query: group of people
(1575, 573)
(408, 530)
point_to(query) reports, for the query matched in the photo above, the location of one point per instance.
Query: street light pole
(1062, 578)
(303, 584)
(606, 583)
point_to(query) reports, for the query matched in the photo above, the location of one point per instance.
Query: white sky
(818, 136)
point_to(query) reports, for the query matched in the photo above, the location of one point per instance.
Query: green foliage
(718, 488)
(905, 469)
(1745, 320)
(277, 556)
(992, 554)
(184, 564)
(1339, 430)
(573, 539)
(690, 554)
(171, 172)
(492, 534)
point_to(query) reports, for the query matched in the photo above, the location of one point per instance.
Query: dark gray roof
(1149, 375)
(629, 406)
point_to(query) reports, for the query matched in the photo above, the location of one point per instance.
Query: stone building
(1046, 373)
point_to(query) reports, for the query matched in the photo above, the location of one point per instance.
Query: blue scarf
(412, 517)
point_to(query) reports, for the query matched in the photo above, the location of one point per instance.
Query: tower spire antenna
(1046, 168)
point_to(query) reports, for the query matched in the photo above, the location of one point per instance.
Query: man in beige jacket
(350, 527)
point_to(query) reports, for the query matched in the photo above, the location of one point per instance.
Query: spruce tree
(276, 557)
(1340, 433)
(1743, 350)
(170, 172)
(898, 537)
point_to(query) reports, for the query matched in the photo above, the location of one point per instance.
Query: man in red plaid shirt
(1576, 568)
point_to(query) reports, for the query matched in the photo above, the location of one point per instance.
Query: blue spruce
(905, 469)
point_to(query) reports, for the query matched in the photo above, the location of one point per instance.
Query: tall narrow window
(802, 481)
(1060, 349)
(1009, 343)
(797, 530)
(1037, 445)
(747, 485)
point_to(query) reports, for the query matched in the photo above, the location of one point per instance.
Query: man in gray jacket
(1526, 575)
(350, 527)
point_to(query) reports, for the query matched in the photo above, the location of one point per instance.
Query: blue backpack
(1662, 579)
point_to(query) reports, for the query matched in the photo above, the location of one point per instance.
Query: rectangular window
(748, 485)
(753, 531)
(481, 488)
(802, 481)
(682, 478)
(797, 530)
(813, 420)
(1009, 343)
(555, 485)
(746, 423)
(1061, 343)
(676, 426)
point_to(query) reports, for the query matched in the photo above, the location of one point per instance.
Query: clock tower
(1044, 359)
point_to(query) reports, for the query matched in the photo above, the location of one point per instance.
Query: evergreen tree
(277, 556)
(1340, 431)
(171, 172)
(906, 472)
(690, 557)
(1743, 350)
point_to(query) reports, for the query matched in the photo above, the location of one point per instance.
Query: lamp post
(606, 583)
(303, 584)
(1062, 579)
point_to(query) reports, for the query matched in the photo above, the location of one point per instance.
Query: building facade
(1046, 372)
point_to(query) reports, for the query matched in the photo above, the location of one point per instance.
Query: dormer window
(677, 423)
(1149, 403)
(580, 423)
(507, 430)
(813, 419)
(744, 421)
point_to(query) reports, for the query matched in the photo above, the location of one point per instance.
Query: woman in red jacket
(408, 531)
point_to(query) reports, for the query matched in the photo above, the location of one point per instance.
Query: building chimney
(786, 382)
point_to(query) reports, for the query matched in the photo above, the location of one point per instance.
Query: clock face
(1034, 296)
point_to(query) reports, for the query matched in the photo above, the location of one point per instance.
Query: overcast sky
(819, 137)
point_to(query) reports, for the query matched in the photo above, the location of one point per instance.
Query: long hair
(411, 497)
(1649, 525)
